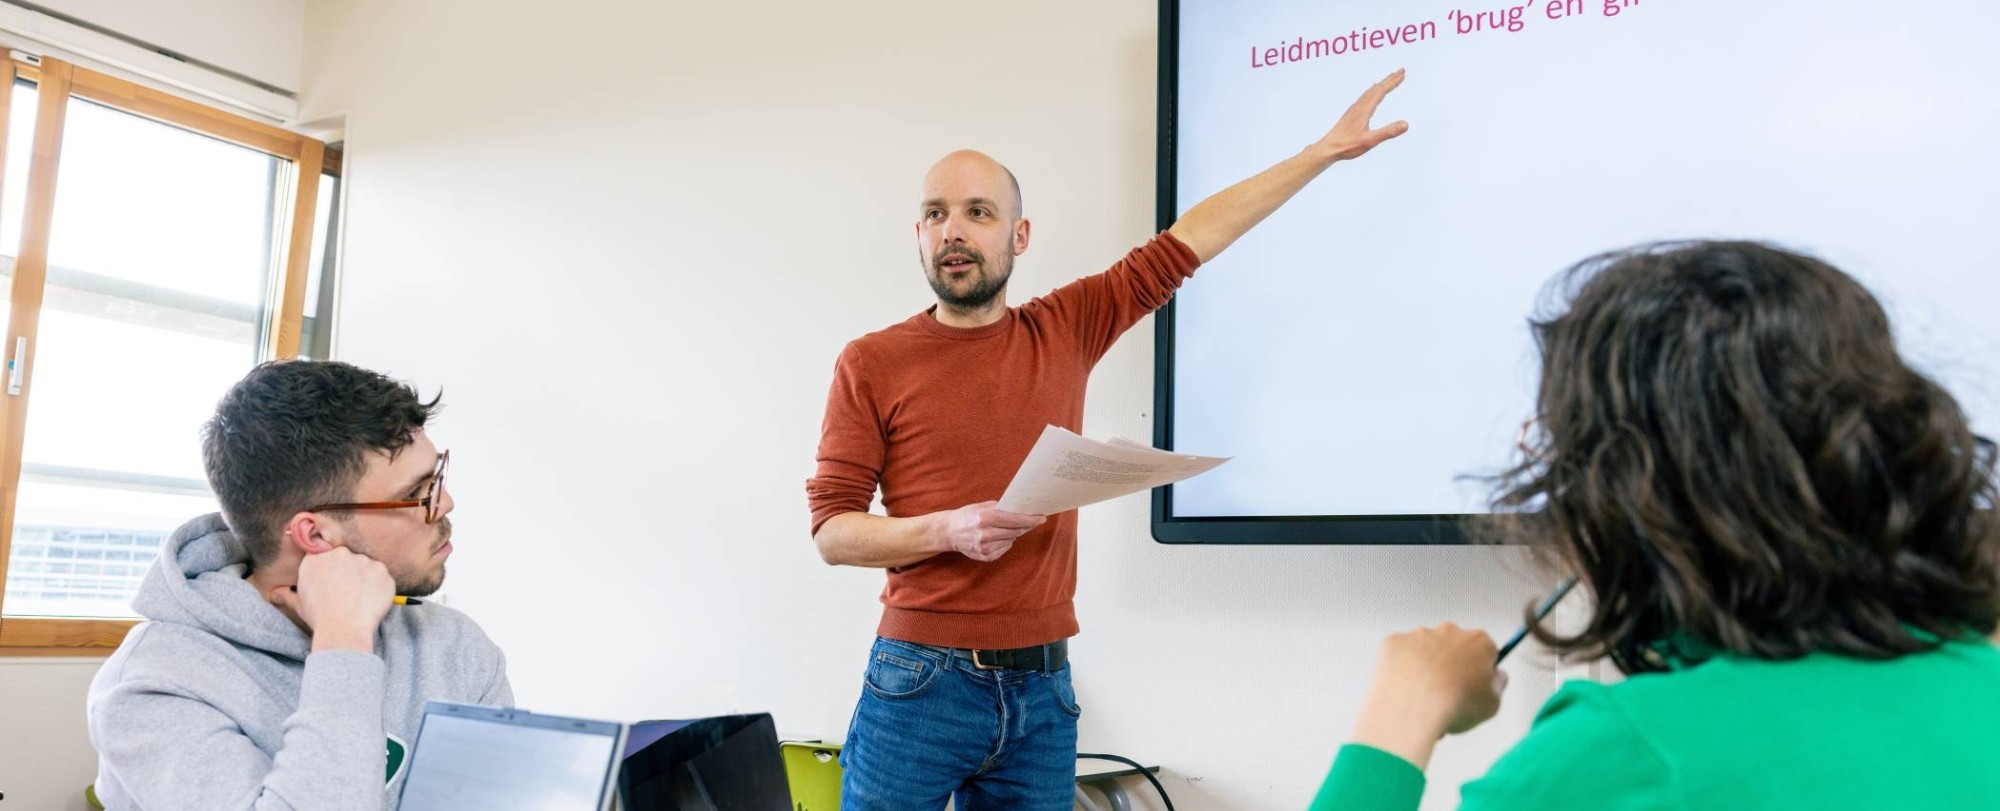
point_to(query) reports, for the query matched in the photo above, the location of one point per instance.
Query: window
(159, 249)
(316, 332)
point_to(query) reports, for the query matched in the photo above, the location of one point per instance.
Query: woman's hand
(1429, 683)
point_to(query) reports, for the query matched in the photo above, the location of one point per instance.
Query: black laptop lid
(726, 763)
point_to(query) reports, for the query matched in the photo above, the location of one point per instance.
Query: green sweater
(1825, 732)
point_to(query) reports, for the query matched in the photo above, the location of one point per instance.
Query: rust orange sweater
(940, 417)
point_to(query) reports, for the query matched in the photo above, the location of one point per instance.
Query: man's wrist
(936, 534)
(1321, 155)
(343, 639)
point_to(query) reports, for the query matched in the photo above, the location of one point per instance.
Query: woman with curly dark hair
(1788, 535)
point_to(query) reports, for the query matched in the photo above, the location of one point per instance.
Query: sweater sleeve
(1583, 749)
(852, 448)
(1368, 779)
(168, 748)
(1103, 306)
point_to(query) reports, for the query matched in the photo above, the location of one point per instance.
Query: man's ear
(307, 532)
(1020, 237)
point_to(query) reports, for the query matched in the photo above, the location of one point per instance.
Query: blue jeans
(930, 726)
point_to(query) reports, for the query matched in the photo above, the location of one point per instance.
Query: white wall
(260, 39)
(628, 239)
(45, 754)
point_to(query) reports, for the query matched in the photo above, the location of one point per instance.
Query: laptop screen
(508, 760)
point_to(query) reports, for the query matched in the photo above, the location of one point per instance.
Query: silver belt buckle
(978, 665)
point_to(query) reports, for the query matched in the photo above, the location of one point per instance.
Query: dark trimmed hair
(1734, 458)
(294, 434)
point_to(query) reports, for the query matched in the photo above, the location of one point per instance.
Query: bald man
(968, 691)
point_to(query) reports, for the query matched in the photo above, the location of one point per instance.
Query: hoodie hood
(198, 581)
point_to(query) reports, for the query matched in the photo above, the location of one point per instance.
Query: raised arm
(1217, 222)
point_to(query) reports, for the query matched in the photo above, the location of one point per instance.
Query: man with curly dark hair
(1790, 539)
(275, 671)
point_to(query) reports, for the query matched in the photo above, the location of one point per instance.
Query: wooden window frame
(57, 81)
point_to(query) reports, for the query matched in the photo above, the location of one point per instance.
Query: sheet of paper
(1065, 471)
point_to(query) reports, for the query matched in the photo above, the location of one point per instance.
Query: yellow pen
(398, 599)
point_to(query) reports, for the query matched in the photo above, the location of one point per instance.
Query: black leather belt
(1048, 658)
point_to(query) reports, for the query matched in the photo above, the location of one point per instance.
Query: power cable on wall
(1143, 772)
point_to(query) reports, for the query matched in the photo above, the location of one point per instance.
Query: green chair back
(812, 769)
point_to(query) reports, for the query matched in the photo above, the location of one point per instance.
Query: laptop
(495, 759)
(726, 763)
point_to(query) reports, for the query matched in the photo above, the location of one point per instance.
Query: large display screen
(1365, 354)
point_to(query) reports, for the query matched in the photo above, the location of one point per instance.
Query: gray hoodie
(216, 702)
